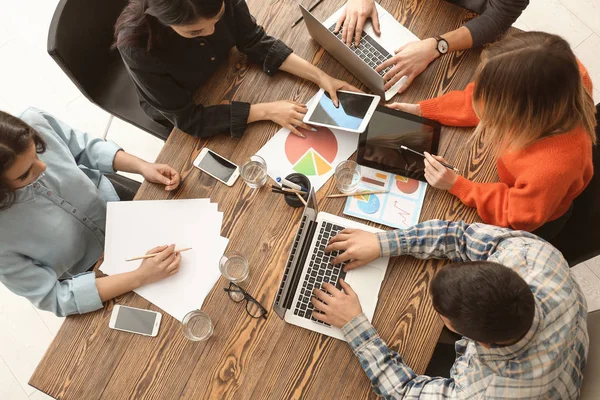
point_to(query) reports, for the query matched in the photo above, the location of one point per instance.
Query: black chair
(579, 240)
(79, 40)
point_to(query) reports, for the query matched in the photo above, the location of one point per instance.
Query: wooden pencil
(155, 254)
(301, 199)
(333, 196)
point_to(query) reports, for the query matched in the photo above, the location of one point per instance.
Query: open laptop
(308, 267)
(371, 52)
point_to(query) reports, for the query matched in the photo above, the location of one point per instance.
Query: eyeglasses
(253, 307)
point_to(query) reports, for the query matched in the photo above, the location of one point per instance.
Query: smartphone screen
(135, 320)
(217, 166)
(351, 111)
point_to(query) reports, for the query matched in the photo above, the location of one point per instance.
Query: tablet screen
(349, 115)
(387, 131)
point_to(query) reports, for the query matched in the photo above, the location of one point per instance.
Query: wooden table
(248, 358)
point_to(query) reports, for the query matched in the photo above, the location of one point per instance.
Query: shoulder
(43, 122)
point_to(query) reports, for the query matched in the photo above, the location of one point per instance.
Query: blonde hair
(529, 87)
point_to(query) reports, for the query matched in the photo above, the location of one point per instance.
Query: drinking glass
(197, 326)
(234, 267)
(254, 171)
(347, 176)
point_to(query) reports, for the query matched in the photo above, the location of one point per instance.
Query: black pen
(309, 10)
(423, 155)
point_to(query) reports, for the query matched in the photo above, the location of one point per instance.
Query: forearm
(112, 286)
(301, 68)
(128, 163)
(459, 39)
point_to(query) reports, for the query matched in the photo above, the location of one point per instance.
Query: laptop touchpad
(365, 280)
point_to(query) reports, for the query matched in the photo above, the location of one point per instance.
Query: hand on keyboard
(353, 20)
(357, 245)
(410, 60)
(335, 307)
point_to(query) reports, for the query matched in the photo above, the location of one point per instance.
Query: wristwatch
(442, 45)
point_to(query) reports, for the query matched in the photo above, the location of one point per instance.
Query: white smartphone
(135, 320)
(353, 114)
(216, 166)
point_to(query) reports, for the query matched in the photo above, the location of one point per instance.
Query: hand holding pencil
(163, 264)
(438, 175)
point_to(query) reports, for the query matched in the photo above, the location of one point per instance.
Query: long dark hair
(15, 139)
(139, 22)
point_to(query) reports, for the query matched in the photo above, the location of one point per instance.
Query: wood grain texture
(248, 358)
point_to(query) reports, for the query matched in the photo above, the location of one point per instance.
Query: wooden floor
(27, 332)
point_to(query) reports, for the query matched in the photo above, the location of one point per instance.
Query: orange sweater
(537, 183)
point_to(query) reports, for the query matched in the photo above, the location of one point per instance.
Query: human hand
(437, 175)
(353, 18)
(410, 60)
(332, 85)
(288, 114)
(414, 109)
(161, 173)
(159, 267)
(357, 245)
(336, 308)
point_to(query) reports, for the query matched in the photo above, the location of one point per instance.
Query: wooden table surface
(249, 358)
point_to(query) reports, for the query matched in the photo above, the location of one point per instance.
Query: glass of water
(347, 176)
(234, 267)
(197, 326)
(254, 171)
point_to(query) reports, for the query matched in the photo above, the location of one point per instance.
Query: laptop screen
(297, 256)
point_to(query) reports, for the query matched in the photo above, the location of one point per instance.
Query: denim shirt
(54, 232)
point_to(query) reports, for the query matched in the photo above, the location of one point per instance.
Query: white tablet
(353, 114)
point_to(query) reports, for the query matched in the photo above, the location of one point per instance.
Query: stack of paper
(134, 227)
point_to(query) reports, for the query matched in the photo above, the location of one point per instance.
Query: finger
(349, 32)
(299, 115)
(301, 109)
(433, 162)
(321, 316)
(347, 288)
(306, 126)
(439, 158)
(375, 21)
(399, 49)
(167, 261)
(336, 247)
(334, 98)
(387, 63)
(165, 253)
(335, 292)
(321, 295)
(395, 106)
(319, 305)
(175, 263)
(349, 230)
(340, 21)
(339, 237)
(174, 272)
(345, 256)
(157, 249)
(352, 265)
(295, 131)
(405, 86)
(359, 28)
(394, 71)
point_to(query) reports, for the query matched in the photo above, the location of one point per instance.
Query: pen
(423, 155)
(283, 181)
(309, 10)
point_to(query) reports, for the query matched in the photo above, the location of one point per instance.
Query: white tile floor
(29, 77)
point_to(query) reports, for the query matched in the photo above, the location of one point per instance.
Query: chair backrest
(79, 40)
(579, 240)
(591, 384)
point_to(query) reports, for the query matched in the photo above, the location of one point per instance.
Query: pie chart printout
(406, 185)
(369, 204)
(314, 155)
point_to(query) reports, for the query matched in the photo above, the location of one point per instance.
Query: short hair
(484, 301)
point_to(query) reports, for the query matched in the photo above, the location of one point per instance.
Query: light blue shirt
(54, 232)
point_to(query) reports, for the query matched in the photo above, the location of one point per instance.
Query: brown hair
(15, 139)
(529, 87)
(140, 20)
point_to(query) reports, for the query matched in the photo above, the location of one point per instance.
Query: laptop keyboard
(320, 270)
(368, 50)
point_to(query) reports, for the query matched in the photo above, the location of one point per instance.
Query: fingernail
(303, 136)
(314, 129)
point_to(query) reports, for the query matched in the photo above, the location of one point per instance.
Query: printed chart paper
(134, 227)
(400, 208)
(316, 156)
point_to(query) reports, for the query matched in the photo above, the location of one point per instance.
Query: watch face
(442, 46)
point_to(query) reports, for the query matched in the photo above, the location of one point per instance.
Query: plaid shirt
(546, 363)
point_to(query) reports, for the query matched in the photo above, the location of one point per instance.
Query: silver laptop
(371, 52)
(308, 267)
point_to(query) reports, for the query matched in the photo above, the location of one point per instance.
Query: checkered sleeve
(390, 377)
(456, 241)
